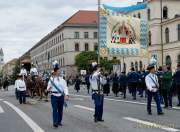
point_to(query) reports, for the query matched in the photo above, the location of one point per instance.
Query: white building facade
(167, 50)
(75, 35)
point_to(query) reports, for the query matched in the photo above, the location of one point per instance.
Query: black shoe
(161, 113)
(165, 107)
(95, 120)
(178, 105)
(55, 126)
(60, 124)
(101, 120)
(149, 113)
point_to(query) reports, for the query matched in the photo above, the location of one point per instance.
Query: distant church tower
(1, 57)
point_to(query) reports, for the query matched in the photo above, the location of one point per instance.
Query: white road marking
(84, 107)
(78, 99)
(125, 101)
(26, 118)
(1, 110)
(176, 108)
(151, 125)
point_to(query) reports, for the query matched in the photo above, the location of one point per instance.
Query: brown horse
(36, 87)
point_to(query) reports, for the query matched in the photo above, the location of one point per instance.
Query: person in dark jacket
(106, 86)
(176, 78)
(123, 83)
(160, 75)
(142, 83)
(166, 86)
(87, 82)
(133, 78)
(77, 84)
(115, 87)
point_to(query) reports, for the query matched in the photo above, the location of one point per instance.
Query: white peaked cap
(153, 61)
(94, 64)
(55, 62)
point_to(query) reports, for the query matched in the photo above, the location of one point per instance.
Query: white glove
(154, 90)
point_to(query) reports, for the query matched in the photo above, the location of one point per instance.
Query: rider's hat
(152, 63)
(56, 65)
(19, 75)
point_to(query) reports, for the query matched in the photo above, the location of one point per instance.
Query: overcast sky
(24, 22)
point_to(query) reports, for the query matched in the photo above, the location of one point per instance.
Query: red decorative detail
(122, 40)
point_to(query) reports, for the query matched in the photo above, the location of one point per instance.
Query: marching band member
(21, 89)
(96, 95)
(59, 92)
(153, 89)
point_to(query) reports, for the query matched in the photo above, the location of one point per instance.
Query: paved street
(119, 115)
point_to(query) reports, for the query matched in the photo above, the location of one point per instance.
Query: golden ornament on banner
(103, 52)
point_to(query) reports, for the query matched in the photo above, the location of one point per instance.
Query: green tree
(16, 71)
(83, 59)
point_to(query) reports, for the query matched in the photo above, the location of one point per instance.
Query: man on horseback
(34, 74)
(23, 71)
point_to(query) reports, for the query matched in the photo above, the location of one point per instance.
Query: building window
(76, 47)
(167, 35)
(132, 65)
(62, 48)
(165, 12)
(139, 15)
(86, 35)
(149, 14)
(178, 32)
(105, 58)
(114, 58)
(178, 59)
(95, 47)
(149, 38)
(86, 47)
(140, 65)
(95, 35)
(136, 66)
(76, 35)
(168, 60)
(62, 36)
(63, 62)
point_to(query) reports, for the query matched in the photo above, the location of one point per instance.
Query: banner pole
(99, 8)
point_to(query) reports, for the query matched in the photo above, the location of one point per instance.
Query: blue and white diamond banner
(122, 35)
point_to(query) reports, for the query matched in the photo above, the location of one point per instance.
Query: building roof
(1, 52)
(80, 18)
(83, 17)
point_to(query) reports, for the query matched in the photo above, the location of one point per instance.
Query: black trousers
(22, 97)
(98, 101)
(167, 96)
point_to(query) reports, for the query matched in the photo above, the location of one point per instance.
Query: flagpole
(99, 4)
(99, 8)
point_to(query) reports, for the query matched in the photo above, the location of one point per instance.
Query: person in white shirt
(23, 71)
(21, 89)
(33, 71)
(152, 90)
(96, 92)
(57, 86)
